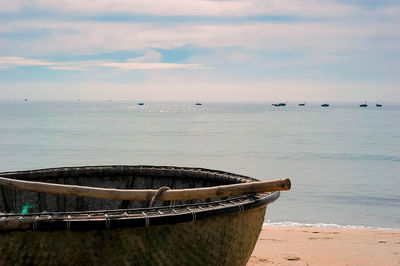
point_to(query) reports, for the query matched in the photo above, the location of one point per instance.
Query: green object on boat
(26, 207)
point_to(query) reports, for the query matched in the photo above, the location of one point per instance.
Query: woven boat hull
(212, 232)
(221, 240)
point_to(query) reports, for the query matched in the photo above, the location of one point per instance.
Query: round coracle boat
(131, 215)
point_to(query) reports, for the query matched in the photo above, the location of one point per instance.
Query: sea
(343, 161)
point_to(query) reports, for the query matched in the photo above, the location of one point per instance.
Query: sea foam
(323, 225)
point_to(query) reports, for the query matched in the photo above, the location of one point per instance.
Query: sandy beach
(326, 246)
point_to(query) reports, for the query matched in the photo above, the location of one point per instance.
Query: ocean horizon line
(372, 102)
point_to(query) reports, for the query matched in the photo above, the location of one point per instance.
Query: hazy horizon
(196, 101)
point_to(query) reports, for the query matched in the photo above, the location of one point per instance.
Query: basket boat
(158, 229)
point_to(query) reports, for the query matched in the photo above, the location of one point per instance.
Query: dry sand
(326, 246)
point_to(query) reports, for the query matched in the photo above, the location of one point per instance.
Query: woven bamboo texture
(219, 240)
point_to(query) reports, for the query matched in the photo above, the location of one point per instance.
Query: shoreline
(326, 225)
(306, 245)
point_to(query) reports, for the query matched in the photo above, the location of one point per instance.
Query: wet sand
(326, 246)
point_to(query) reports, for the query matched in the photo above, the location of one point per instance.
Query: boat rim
(135, 217)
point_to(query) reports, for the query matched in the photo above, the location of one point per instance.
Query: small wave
(350, 156)
(323, 225)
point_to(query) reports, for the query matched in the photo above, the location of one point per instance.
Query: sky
(200, 50)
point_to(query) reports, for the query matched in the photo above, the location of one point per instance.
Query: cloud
(102, 37)
(149, 56)
(11, 62)
(341, 27)
(67, 68)
(209, 8)
(149, 66)
(7, 62)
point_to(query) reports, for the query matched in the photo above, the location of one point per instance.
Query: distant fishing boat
(279, 104)
(140, 103)
(302, 104)
(325, 105)
(199, 104)
(378, 105)
(131, 215)
(364, 104)
(25, 100)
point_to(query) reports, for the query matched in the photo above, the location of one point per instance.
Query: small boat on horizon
(302, 104)
(141, 103)
(279, 104)
(364, 104)
(199, 104)
(325, 105)
(378, 105)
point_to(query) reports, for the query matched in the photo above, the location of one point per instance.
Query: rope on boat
(34, 226)
(157, 195)
(241, 208)
(69, 222)
(193, 214)
(146, 217)
(108, 222)
(239, 204)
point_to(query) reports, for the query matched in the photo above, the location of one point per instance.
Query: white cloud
(67, 68)
(100, 37)
(12, 6)
(149, 66)
(233, 8)
(10, 62)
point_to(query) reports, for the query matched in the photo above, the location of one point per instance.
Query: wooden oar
(147, 194)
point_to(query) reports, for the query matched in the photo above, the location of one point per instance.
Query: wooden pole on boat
(147, 194)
